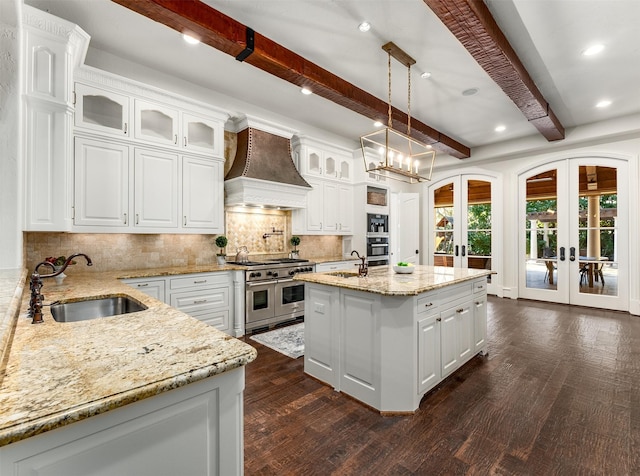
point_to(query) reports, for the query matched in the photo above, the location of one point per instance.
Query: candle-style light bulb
(408, 164)
(416, 164)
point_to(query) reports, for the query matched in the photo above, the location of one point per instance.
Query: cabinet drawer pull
(480, 287)
(460, 310)
(137, 219)
(200, 282)
(125, 218)
(185, 220)
(185, 141)
(143, 285)
(438, 319)
(200, 301)
(175, 139)
(428, 305)
(125, 127)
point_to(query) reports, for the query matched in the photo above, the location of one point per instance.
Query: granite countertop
(383, 280)
(57, 373)
(330, 259)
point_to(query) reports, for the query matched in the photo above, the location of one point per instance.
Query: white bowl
(403, 269)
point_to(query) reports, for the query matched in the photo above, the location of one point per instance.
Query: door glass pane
(443, 239)
(260, 299)
(479, 225)
(102, 111)
(541, 231)
(293, 294)
(597, 224)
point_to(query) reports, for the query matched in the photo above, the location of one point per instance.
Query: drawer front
(200, 280)
(428, 303)
(454, 293)
(192, 301)
(480, 286)
(218, 318)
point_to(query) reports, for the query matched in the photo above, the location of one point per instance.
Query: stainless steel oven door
(260, 302)
(289, 298)
(377, 260)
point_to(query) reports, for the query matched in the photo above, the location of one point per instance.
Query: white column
(545, 233)
(534, 239)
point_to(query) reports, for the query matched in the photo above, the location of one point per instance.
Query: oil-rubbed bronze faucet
(35, 285)
(363, 268)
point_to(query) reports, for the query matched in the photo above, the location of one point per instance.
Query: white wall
(10, 128)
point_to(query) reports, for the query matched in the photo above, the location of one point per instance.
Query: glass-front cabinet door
(101, 110)
(155, 123)
(573, 239)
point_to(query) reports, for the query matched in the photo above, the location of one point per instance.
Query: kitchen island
(149, 392)
(386, 339)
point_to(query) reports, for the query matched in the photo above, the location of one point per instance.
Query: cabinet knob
(438, 319)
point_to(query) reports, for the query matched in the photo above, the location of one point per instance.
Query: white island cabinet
(387, 339)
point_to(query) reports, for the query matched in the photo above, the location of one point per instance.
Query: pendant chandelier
(390, 153)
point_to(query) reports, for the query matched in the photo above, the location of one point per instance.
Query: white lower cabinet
(154, 287)
(429, 371)
(346, 265)
(194, 429)
(206, 296)
(388, 351)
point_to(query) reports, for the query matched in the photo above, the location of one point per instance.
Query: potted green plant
(295, 241)
(221, 242)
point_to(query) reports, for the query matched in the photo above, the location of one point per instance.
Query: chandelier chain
(409, 100)
(389, 123)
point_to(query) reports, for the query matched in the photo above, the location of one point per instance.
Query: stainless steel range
(272, 296)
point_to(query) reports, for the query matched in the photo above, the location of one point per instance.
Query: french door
(573, 239)
(461, 218)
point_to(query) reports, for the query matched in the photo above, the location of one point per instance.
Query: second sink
(75, 311)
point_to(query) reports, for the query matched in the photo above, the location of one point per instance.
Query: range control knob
(257, 274)
(270, 273)
(292, 272)
(308, 268)
(274, 274)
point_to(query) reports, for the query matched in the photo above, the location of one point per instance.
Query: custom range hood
(263, 172)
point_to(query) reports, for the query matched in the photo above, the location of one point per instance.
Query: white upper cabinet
(202, 195)
(101, 110)
(202, 135)
(321, 159)
(155, 123)
(50, 47)
(156, 189)
(101, 184)
(329, 210)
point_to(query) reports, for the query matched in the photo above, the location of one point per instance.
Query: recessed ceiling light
(593, 50)
(425, 75)
(377, 124)
(604, 103)
(190, 39)
(500, 128)
(305, 91)
(470, 91)
(364, 26)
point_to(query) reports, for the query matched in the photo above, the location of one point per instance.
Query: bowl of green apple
(403, 267)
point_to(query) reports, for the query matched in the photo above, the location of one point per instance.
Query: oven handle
(285, 281)
(259, 283)
(379, 246)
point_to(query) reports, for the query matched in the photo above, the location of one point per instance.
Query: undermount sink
(343, 274)
(84, 310)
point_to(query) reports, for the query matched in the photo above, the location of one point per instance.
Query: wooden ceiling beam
(473, 25)
(230, 36)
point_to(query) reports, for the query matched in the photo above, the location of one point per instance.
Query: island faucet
(35, 285)
(363, 268)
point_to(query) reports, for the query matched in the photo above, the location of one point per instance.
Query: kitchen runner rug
(287, 340)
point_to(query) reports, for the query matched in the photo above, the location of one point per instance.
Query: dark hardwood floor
(559, 393)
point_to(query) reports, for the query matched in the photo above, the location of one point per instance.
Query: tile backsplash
(244, 227)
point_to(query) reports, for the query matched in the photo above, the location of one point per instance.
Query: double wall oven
(377, 239)
(272, 296)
